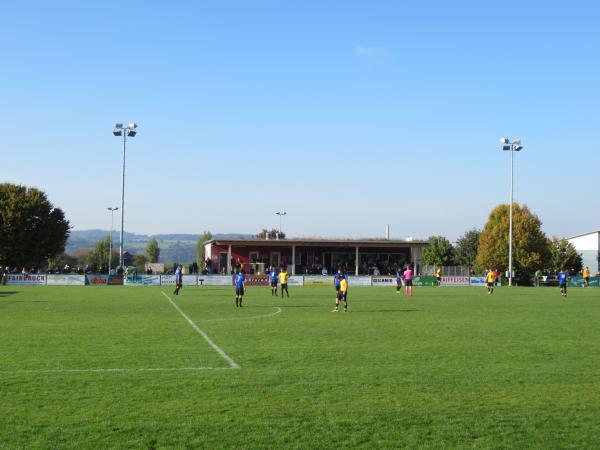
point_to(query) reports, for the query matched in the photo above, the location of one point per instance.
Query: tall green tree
(531, 249)
(152, 251)
(439, 252)
(465, 250)
(270, 234)
(564, 255)
(200, 251)
(98, 259)
(32, 230)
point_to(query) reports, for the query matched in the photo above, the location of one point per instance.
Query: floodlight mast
(124, 132)
(280, 214)
(112, 214)
(514, 146)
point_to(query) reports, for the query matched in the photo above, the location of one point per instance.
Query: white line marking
(232, 363)
(248, 318)
(144, 369)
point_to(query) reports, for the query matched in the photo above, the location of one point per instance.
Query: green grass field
(118, 367)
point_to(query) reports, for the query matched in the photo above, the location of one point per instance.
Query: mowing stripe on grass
(248, 318)
(143, 369)
(232, 363)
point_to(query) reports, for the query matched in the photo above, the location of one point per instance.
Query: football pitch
(138, 367)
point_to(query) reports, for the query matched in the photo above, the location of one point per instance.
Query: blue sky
(347, 115)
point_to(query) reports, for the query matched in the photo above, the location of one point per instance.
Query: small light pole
(112, 215)
(508, 146)
(119, 130)
(280, 214)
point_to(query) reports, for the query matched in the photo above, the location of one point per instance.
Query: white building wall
(589, 247)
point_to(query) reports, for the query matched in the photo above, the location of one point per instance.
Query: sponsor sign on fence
(578, 281)
(257, 280)
(142, 280)
(296, 280)
(96, 279)
(477, 281)
(424, 280)
(383, 280)
(115, 280)
(65, 280)
(359, 281)
(318, 280)
(214, 280)
(186, 280)
(455, 281)
(25, 279)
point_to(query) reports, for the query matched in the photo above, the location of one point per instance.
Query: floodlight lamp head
(117, 132)
(517, 142)
(118, 126)
(132, 126)
(518, 148)
(504, 141)
(131, 133)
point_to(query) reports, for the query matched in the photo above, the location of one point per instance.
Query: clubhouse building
(313, 256)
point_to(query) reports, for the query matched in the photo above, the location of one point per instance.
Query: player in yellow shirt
(490, 278)
(586, 276)
(342, 294)
(283, 280)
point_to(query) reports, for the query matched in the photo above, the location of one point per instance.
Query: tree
(564, 255)
(200, 250)
(531, 250)
(139, 261)
(270, 234)
(32, 230)
(466, 248)
(152, 251)
(439, 252)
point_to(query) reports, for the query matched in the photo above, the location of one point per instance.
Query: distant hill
(173, 247)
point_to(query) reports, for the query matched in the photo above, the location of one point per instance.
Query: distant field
(126, 367)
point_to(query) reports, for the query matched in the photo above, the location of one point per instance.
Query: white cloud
(363, 51)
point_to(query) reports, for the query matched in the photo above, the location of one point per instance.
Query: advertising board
(578, 282)
(296, 280)
(318, 280)
(455, 281)
(25, 279)
(257, 280)
(65, 280)
(359, 281)
(383, 280)
(142, 280)
(186, 280)
(424, 280)
(115, 280)
(96, 279)
(477, 281)
(214, 280)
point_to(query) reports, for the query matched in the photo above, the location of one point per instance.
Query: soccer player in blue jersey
(563, 276)
(273, 276)
(178, 279)
(399, 276)
(239, 288)
(337, 279)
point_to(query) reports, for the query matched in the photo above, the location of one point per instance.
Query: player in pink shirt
(408, 275)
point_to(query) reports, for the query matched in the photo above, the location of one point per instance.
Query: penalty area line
(231, 362)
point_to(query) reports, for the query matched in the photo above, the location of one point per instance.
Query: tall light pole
(514, 146)
(112, 215)
(280, 214)
(119, 130)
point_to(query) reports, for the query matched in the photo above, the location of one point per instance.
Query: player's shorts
(273, 283)
(342, 295)
(490, 284)
(408, 282)
(563, 285)
(337, 287)
(439, 279)
(284, 286)
(399, 281)
(239, 291)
